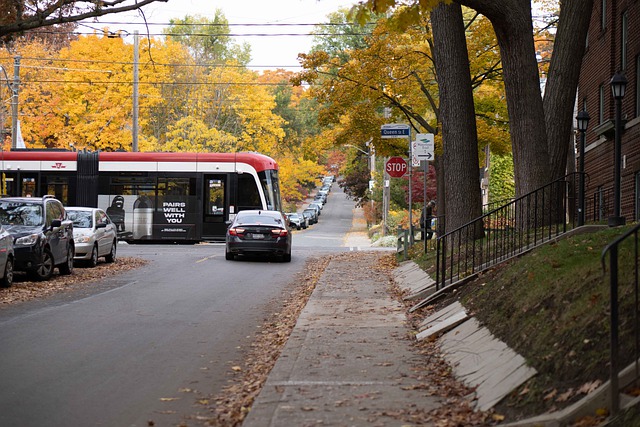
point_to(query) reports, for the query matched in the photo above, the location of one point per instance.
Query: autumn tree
(396, 69)
(531, 120)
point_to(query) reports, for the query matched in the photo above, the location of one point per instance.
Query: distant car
(6, 258)
(316, 212)
(297, 220)
(311, 215)
(317, 204)
(258, 232)
(95, 235)
(42, 233)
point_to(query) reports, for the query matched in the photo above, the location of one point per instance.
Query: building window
(637, 198)
(603, 15)
(601, 106)
(638, 86)
(623, 42)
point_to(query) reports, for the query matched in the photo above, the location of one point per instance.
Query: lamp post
(618, 86)
(583, 122)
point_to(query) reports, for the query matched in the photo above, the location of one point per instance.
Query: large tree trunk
(562, 81)
(513, 25)
(463, 201)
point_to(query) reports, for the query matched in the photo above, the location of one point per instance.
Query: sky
(274, 51)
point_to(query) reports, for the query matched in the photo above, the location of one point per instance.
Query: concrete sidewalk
(349, 360)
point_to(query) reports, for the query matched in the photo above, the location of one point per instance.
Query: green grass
(552, 307)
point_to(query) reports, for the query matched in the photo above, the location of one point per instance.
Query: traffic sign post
(396, 167)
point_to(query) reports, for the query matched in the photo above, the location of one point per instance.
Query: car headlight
(82, 239)
(29, 240)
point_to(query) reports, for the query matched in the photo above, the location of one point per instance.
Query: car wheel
(7, 280)
(93, 261)
(44, 271)
(67, 267)
(111, 257)
(286, 257)
(229, 256)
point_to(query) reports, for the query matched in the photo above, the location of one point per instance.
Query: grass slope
(552, 306)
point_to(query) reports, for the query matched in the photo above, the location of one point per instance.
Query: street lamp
(618, 86)
(583, 122)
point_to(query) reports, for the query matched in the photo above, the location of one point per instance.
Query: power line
(158, 64)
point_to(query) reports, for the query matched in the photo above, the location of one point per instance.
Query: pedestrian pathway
(349, 360)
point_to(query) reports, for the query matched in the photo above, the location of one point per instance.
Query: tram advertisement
(142, 217)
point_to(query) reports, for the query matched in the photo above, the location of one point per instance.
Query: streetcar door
(215, 206)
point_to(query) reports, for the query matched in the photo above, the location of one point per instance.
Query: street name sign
(396, 167)
(395, 131)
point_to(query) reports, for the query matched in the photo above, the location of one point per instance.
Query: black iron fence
(600, 206)
(624, 312)
(507, 231)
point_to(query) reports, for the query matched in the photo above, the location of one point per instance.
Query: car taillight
(278, 232)
(236, 231)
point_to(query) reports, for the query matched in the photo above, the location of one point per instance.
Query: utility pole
(136, 76)
(14, 102)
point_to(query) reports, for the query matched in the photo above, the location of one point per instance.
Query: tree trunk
(512, 22)
(463, 201)
(562, 81)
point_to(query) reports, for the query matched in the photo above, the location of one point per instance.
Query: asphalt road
(136, 347)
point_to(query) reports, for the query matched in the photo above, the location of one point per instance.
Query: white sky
(278, 51)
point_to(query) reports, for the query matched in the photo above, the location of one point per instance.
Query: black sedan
(258, 232)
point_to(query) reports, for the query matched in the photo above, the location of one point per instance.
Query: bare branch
(78, 10)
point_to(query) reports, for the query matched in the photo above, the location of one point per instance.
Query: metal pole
(410, 191)
(613, 287)
(14, 102)
(581, 190)
(617, 220)
(136, 60)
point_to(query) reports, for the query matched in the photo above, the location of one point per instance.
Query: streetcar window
(248, 194)
(271, 187)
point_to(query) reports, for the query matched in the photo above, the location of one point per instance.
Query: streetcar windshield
(271, 187)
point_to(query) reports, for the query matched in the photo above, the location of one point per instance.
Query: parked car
(316, 209)
(94, 234)
(322, 198)
(296, 220)
(311, 215)
(42, 235)
(6, 258)
(318, 204)
(258, 232)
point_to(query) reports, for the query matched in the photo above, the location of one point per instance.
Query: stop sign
(396, 167)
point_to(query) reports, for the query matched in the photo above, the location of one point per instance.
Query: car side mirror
(101, 225)
(56, 223)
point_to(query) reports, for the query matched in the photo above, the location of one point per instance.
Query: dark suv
(42, 235)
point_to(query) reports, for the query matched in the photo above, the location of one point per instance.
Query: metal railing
(623, 286)
(600, 207)
(507, 231)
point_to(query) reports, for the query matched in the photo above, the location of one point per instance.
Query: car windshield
(20, 213)
(259, 219)
(81, 219)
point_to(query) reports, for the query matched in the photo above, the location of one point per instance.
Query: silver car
(94, 234)
(6, 258)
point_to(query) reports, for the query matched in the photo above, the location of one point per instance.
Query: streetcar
(156, 196)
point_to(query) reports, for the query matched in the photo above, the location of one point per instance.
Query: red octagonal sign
(396, 167)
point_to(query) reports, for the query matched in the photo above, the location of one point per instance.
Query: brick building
(613, 45)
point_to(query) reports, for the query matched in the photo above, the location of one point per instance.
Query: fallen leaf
(566, 396)
(551, 395)
(589, 387)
